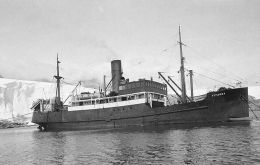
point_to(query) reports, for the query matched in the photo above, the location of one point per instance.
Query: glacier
(17, 96)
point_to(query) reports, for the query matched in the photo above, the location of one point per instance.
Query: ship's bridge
(142, 86)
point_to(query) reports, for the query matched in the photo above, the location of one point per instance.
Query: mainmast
(58, 100)
(183, 86)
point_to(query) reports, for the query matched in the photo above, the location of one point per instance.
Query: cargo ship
(139, 103)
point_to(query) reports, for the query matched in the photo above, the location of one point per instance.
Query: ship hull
(216, 107)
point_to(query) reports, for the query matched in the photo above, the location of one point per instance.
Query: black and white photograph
(122, 82)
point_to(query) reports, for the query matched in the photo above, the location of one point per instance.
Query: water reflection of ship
(140, 147)
(45, 145)
(216, 146)
(139, 103)
(226, 144)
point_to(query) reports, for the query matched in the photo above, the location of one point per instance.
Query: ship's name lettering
(218, 94)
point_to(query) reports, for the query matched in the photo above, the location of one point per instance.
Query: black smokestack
(116, 74)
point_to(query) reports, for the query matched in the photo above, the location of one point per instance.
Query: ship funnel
(116, 74)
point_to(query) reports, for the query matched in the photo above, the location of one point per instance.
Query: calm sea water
(219, 144)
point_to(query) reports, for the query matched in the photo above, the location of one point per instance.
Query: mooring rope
(246, 101)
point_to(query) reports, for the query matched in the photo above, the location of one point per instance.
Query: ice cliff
(17, 96)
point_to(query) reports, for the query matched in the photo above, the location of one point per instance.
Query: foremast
(183, 86)
(58, 102)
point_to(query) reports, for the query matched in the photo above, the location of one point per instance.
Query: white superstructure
(79, 103)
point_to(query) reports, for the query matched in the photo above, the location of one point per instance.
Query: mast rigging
(183, 86)
(58, 77)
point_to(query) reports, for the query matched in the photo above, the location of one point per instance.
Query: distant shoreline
(9, 124)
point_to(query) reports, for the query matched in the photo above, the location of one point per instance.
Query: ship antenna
(183, 86)
(58, 100)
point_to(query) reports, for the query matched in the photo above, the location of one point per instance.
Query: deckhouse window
(130, 97)
(141, 96)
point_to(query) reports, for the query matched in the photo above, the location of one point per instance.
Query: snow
(17, 96)
(254, 91)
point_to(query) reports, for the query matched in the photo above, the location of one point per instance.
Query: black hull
(216, 107)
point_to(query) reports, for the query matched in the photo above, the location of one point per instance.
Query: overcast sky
(222, 38)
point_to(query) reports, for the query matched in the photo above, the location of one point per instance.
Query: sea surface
(217, 144)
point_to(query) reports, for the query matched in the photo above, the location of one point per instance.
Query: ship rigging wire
(213, 79)
(216, 64)
(216, 73)
(69, 83)
(237, 79)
